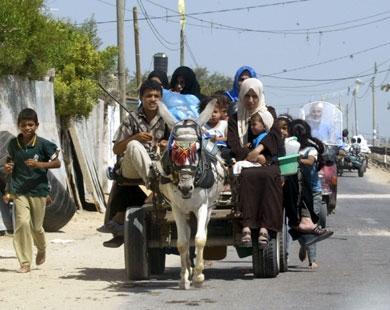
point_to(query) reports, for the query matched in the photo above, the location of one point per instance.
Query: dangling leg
(183, 242)
(200, 242)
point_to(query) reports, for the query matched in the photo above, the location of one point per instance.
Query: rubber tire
(282, 245)
(361, 170)
(340, 167)
(322, 215)
(136, 247)
(264, 261)
(332, 200)
(156, 261)
(61, 210)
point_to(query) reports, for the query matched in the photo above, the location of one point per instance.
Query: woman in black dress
(260, 188)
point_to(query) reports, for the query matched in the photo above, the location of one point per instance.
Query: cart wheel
(156, 260)
(282, 246)
(136, 248)
(322, 215)
(265, 261)
(361, 169)
(332, 200)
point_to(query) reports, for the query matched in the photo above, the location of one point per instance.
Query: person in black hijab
(160, 77)
(184, 81)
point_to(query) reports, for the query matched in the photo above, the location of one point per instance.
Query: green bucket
(288, 164)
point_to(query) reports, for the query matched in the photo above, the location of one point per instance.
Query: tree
(209, 84)
(32, 42)
(79, 68)
(24, 37)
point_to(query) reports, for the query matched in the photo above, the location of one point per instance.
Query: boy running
(29, 158)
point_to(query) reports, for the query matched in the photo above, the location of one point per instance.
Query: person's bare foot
(25, 268)
(306, 224)
(263, 238)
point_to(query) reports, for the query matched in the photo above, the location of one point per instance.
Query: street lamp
(354, 94)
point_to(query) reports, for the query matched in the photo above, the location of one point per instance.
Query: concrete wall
(17, 94)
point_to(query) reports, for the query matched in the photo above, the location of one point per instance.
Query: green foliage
(76, 99)
(79, 67)
(24, 37)
(31, 43)
(210, 83)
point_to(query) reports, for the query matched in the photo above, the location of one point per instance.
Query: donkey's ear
(169, 119)
(206, 113)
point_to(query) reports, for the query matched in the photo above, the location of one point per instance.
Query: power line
(246, 8)
(155, 32)
(319, 80)
(219, 26)
(191, 53)
(279, 32)
(324, 83)
(351, 55)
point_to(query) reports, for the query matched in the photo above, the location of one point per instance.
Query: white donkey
(195, 187)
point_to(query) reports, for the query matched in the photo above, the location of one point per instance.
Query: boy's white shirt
(220, 130)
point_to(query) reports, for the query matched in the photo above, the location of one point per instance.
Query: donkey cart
(151, 234)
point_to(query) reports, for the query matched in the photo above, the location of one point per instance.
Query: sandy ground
(79, 272)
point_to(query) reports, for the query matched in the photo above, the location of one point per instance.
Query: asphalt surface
(353, 273)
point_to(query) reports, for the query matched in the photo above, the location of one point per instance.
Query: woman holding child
(260, 188)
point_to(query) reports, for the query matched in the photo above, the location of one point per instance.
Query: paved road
(354, 268)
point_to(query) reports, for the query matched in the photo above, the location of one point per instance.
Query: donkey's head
(184, 149)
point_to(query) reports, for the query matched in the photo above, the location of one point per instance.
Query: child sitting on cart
(259, 128)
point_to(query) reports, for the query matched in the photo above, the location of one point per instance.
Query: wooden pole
(137, 49)
(120, 12)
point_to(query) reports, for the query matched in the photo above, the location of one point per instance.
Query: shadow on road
(168, 280)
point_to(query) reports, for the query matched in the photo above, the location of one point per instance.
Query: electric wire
(191, 53)
(351, 55)
(155, 32)
(280, 32)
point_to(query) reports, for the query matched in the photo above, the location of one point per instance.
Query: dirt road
(79, 272)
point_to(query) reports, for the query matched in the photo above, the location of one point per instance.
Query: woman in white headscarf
(260, 188)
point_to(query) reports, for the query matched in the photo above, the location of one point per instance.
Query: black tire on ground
(282, 245)
(331, 205)
(156, 261)
(62, 208)
(136, 247)
(361, 170)
(340, 167)
(265, 262)
(322, 215)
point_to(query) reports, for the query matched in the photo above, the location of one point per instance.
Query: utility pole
(137, 50)
(373, 107)
(182, 10)
(354, 93)
(181, 47)
(120, 15)
(354, 107)
(347, 112)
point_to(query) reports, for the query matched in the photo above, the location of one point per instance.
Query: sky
(302, 50)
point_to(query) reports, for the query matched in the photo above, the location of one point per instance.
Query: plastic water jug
(292, 145)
